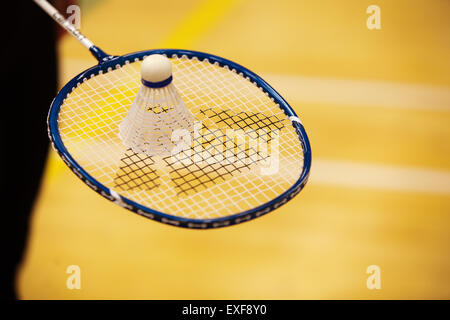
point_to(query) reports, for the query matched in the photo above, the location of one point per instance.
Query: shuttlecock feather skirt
(152, 118)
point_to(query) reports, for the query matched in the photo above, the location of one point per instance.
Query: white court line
(376, 176)
(360, 93)
(356, 175)
(335, 91)
(355, 93)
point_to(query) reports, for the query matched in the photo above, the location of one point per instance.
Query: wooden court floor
(376, 104)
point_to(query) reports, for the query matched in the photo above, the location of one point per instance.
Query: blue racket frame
(108, 63)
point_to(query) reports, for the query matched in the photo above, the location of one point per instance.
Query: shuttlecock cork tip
(156, 68)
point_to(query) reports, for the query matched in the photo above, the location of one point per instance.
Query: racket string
(89, 121)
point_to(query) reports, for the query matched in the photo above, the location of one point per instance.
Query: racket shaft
(52, 12)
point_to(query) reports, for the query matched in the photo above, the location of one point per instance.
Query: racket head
(115, 62)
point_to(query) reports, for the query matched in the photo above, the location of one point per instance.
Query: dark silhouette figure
(29, 83)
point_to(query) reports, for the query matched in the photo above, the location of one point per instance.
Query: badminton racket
(249, 156)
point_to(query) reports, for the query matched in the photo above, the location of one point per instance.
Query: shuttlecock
(156, 112)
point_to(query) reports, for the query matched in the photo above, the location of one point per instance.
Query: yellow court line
(201, 19)
(191, 28)
(54, 165)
